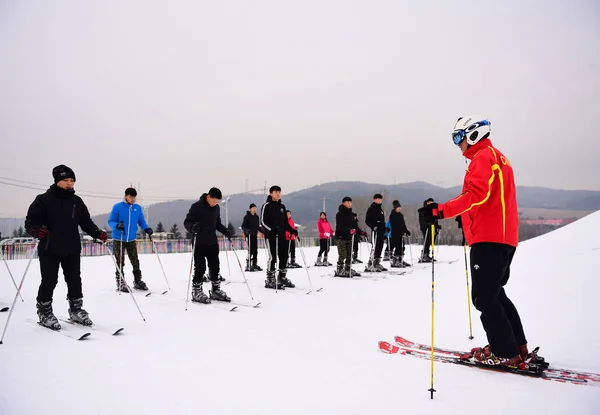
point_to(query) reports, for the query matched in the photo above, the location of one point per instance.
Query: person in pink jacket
(325, 234)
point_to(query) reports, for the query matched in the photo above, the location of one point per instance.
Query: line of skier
(487, 208)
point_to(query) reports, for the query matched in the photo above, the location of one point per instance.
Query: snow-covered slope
(305, 354)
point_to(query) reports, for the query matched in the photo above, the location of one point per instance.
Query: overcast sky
(183, 95)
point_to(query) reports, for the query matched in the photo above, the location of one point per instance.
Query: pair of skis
(539, 368)
(77, 331)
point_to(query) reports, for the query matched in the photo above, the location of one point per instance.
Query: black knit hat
(130, 191)
(62, 172)
(252, 205)
(347, 199)
(396, 204)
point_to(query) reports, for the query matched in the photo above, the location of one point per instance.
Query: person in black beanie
(250, 228)
(203, 220)
(54, 219)
(399, 229)
(375, 219)
(345, 231)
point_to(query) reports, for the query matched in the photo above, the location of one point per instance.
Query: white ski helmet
(472, 127)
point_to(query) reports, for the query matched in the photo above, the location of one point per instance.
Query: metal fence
(144, 246)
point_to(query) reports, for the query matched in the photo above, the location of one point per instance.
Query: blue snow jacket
(388, 230)
(131, 216)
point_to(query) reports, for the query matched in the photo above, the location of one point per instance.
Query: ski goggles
(459, 135)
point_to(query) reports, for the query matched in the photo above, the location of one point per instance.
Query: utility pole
(323, 200)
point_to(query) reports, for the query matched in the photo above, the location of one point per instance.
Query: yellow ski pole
(468, 291)
(432, 304)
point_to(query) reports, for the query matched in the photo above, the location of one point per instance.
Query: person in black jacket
(426, 230)
(375, 219)
(345, 231)
(202, 220)
(399, 229)
(251, 227)
(54, 219)
(274, 221)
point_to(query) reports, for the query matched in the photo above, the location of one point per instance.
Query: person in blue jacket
(124, 220)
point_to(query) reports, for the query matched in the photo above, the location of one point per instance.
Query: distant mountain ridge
(306, 203)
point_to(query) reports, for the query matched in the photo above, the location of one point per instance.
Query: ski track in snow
(304, 354)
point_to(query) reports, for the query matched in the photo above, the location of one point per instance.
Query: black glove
(407, 232)
(120, 226)
(458, 220)
(431, 213)
(197, 227)
(227, 235)
(375, 229)
(294, 232)
(149, 231)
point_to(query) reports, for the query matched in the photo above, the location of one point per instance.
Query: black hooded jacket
(273, 218)
(61, 212)
(250, 224)
(398, 224)
(375, 217)
(344, 223)
(209, 219)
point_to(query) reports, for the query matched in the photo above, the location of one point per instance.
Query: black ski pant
(277, 248)
(202, 255)
(377, 239)
(490, 270)
(49, 264)
(324, 247)
(427, 238)
(252, 241)
(355, 247)
(398, 246)
(292, 249)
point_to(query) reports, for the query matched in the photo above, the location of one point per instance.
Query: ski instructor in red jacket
(488, 209)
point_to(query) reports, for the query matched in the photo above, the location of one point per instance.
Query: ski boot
(378, 266)
(339, 271)
(248, 267)
(46, 316)
(272, 283)
(370, 267)
(78, 314)
(355, 260)
(485, 356)
(294, 264)
(138, 284)
(386, 256)
(198, 295)
(403, 263)
(326, 263)
(220, 278)
(255, 266)
(395, 263)
(319, 263)
(283, 280)
(217, 293)
(351, 272)
(121, 284)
